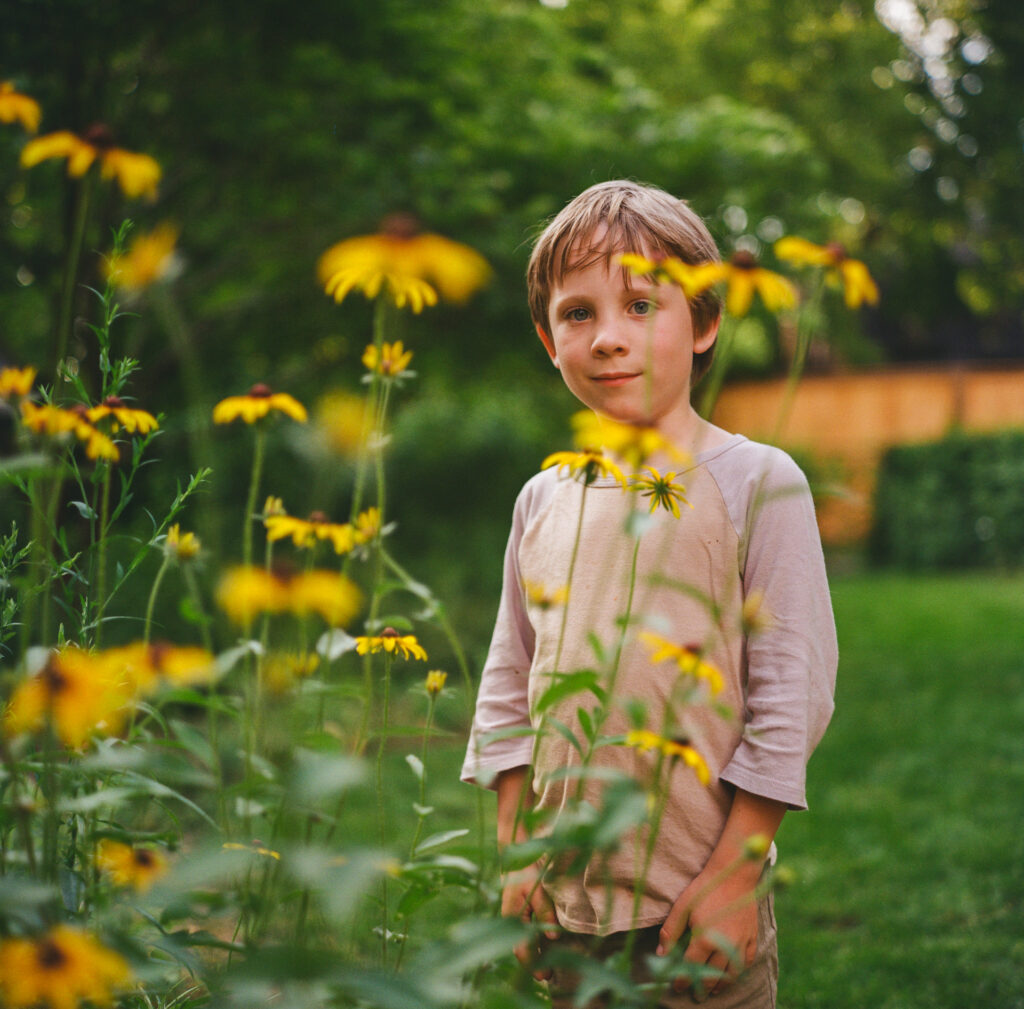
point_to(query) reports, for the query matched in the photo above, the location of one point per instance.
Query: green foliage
(955, 503)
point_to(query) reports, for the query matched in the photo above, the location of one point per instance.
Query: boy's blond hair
(635, 218)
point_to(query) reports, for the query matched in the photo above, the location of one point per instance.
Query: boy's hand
(725, 913)
(523, 897)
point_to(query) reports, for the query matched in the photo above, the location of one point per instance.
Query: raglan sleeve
(502, 705)
(792, 659)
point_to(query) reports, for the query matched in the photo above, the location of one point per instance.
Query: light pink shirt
(752, 528)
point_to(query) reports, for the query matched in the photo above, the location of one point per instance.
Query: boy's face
(625, 351)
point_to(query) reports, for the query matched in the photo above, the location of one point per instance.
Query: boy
(630, 349)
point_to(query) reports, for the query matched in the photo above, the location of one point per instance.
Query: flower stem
(101, 546)
(381, 810)
(67, 299)
(805, 318)
(148, 625)
(254, 487)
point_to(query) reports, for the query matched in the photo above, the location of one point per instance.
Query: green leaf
(566, 685)
(416, 764)
(84, 510)
(437, 840)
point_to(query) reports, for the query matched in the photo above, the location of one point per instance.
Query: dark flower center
(260, 391)
(114, 402)
(837, 251)
(142, 858)
(743, 260)
(56, 682)
(50, 956)
(99, 136)
(318, 518)
(400, 225)
(389, 632)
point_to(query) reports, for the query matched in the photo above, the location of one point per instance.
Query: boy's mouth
(616, 377)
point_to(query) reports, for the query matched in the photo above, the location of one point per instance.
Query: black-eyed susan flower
(273, 506)
(136, 174)
(181, 546)
(634, 443)
(255, 848)
(55, 421)
(306, 533)
(132, 420)
(367, 526)
(246, 592)
(133, 868)
(686, 657)
(661, 489)
(60, 970)
(545, 598)
(149, 258)
(282, 671)
(333, 597)
(182, 665)
(256, 404)
(409, 267)
(586, 465)
(435, 681)
(857, 283)
(663, 269)
(341, 420)
(131, 665)
(75, 692)
(18, 108)
(754, 615)
(389, 640)
(743, 278)
(16, 382)
(391, 360)
(645, 740)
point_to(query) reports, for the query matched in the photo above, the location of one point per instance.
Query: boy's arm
(722, 898)
(522, 895)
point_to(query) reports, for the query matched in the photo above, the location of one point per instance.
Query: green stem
(381, 809)
(81, 216)
(254, 488)
(101, 546)
(148, 625)
(716, 378)
(805, 319)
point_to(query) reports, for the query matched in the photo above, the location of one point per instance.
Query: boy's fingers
(672, 928)
(544, 911)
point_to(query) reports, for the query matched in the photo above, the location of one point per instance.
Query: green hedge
(954, 503)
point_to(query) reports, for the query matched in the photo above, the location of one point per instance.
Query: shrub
(958, 502)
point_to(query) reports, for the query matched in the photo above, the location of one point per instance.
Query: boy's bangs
(617, 236)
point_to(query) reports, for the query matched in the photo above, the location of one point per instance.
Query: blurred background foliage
(895, 127)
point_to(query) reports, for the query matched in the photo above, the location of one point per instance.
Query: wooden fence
(847, 421)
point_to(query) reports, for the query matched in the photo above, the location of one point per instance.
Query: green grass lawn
(910, 862)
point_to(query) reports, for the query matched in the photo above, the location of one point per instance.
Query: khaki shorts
(754, 989)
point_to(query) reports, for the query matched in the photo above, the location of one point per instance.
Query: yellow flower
(391, 361)
(135, 868)
(332, 596)
(59, 970)
(77, 693)
(56, 421)
(149, 259)
(410, 267)
(281, 671)
(754, 617)
(273, 506)
(435, 682)
(16, 382)
(644, 739)
(137, 174)
(341, 419)
(246, 592)
(661, 490)
(255, 847)
(858, 285)
(543, 597)
(181, 546)
(743, 278)
(131, 420)
(306, 532)
(686, 658)
(15, 107)
(256, 404)
(587, 464)
(634, 443)
(389, 640)
(182, 665)
(367, 526)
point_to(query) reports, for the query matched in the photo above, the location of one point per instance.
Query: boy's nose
(608, 342)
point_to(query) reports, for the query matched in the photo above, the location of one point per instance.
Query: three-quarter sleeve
(502, 705)
(791, 663)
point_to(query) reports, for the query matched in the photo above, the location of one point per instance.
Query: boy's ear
(704, 341)
(549, 344)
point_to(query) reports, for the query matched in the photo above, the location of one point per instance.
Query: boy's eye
(642, 307)
(577, 315)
